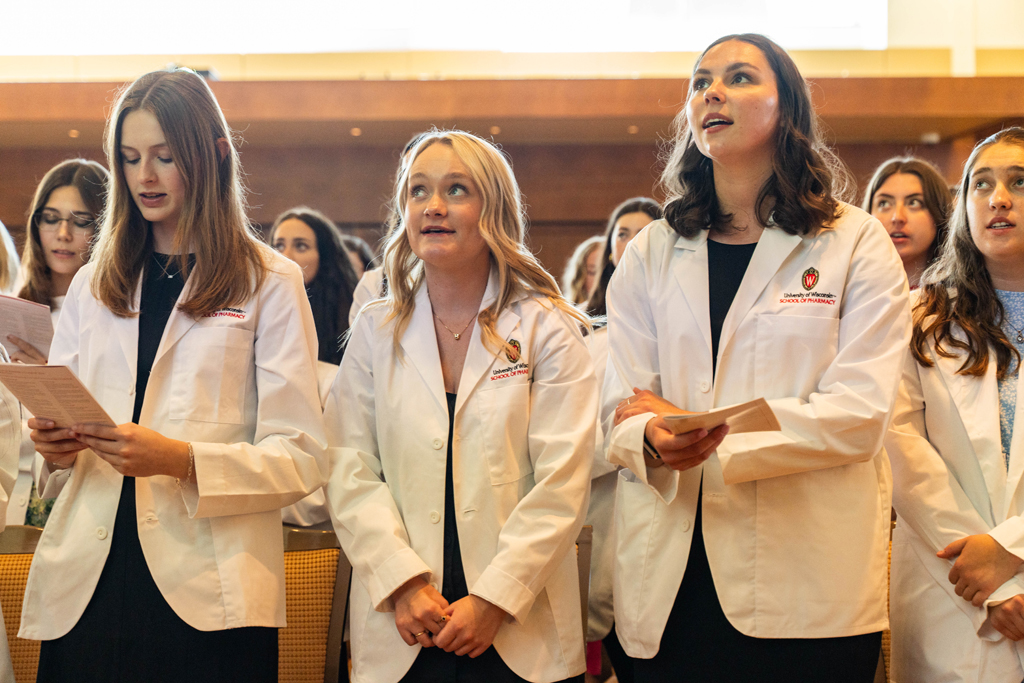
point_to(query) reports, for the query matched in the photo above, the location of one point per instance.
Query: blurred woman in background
(625, 223)
(580, 273)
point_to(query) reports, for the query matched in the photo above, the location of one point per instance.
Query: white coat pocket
(505, 422)
(211, 369)
(792, 353)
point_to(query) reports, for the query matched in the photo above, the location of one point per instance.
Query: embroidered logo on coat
(810, 278)
(515, 354)
(227, 313)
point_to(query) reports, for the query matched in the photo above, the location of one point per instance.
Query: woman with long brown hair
(761, 555)
(625, 223)
(162, 557)
(461, 427)
(957, 458)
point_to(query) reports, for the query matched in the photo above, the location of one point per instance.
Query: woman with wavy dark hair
(753, 555)
(957, 593)
(912, 200)
(313, 241)
(625, 223)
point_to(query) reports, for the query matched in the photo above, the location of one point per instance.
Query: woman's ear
(223, 149)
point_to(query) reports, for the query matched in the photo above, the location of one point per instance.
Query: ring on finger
(417, 635)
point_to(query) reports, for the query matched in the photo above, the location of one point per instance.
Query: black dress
(434, 665)
(699, 644)
(128, 632)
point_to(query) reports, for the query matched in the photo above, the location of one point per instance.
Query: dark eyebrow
(986, 169)
(736, 66)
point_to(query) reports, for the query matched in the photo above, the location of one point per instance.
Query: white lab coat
(10, 432)
(522, 449)
(312, 510)
(601, 514)
(240, 385)
(950, 481)
(366, 291)
(797, 521)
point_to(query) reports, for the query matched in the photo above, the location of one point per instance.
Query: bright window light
(183, 27)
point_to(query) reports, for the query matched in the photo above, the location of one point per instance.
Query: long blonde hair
(502, 226)
(229, 256)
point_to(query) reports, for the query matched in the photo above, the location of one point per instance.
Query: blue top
(1013, 328)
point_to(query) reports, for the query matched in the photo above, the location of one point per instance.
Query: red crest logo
(810, 279)
(515, 354)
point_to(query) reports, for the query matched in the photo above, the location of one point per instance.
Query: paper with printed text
(26, 320)
(53, 392)
(752, 416)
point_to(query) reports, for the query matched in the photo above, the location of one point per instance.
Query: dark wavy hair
(937, 197)
(808, 180)
(597, 305)
(330, 291)
(957, 290)
(90, 179)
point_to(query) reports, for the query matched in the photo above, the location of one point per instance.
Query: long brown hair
(502, 226)
(229, 256)
(597, 305)
(938, 200)
(808, 180)
(957, 291)
(90, 179)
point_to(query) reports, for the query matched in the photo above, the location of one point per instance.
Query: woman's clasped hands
(465, 627)
(678, 451)
(132, 450)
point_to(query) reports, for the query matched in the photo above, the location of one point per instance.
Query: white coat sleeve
(366, 518)
(632, 362)
(10, 445)
(287, 459)
(845, 420)
(544, 524)
(367, 289)
(926, 495)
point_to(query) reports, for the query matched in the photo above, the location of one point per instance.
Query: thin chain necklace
(456, 334)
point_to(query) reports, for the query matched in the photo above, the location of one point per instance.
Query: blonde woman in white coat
(758, 556)
(162, 559)
(957, 594)
(461, 428)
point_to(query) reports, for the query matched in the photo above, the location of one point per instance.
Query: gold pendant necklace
(456, 334)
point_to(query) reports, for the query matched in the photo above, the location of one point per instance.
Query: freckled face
(297, 241)
(733, 105)
(442, 212)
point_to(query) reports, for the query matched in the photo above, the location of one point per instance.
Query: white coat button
(23, 501)
(438, 444)
(101, 532)
(151, 519)
(435, 517)
(705, 386)
(685, 525)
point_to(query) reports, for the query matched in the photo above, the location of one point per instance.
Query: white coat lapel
(480, 358)
(127, 332)
(691, 271)
(178, 324)
(1016, 453)
(419, 343)
(977, 402)
(773, 248)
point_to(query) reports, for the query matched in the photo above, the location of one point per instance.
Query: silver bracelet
(191, 466)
